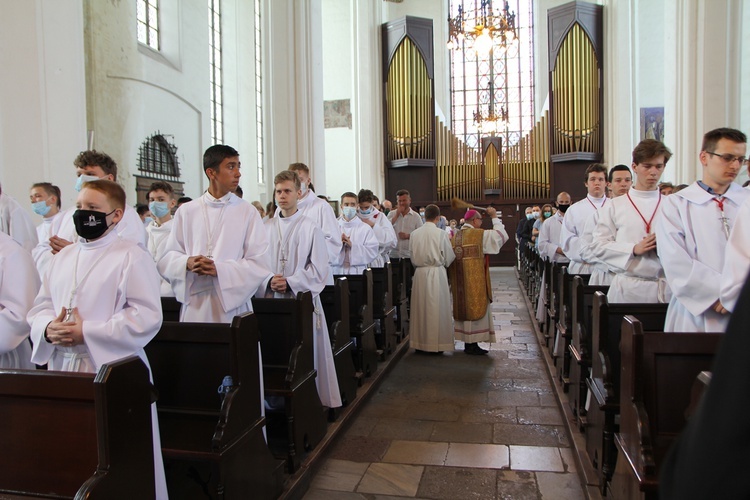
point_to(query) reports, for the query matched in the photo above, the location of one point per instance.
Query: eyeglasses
(651, 165)
(729, 159)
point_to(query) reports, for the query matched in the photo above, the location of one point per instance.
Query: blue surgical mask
(349, 212)
(529, 216)
(158, 208)
(85, 178)
(547, 215)
(41, 208)
(366, 212)
(147, 221)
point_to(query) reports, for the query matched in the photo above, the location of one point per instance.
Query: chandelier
(484, 31)
(492, 123)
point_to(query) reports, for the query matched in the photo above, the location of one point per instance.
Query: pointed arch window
(157, 158)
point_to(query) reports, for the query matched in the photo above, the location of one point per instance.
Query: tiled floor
(458, 426)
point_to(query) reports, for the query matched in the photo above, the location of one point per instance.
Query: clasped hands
(200, 265)
(65, 333)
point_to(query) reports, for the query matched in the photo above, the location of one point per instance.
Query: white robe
(403, 224)
(482, 330)
(385, 235)
(157, 244)
(364, 249)
(691, 247)
(118, 301)
(306, 269)
(549, 239)
(16, 222)
(321, 213)
(129, 228)
(239, 245)
(42, 252)
(19, 284)
(601, 274)
(431, 320)
(573, 227)
(619, 228)
(737, 259)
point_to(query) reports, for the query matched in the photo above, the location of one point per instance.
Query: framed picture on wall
(652, 123)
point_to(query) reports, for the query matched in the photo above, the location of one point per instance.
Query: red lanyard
(595, 207)
(648, 223)
(720, 202)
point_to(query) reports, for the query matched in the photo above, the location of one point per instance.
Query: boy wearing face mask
(359, 246)
(368, 213)
(93, 166)
(161, 202)
(100, 299)
(45, 201)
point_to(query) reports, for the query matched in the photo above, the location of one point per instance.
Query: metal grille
(147, 22)
(214, 57)
(494, 82)
(157, 158)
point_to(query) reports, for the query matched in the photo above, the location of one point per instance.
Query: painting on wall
(337, 113)
(652, 123)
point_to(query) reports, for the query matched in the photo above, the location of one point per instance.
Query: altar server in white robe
(549, 246)
(624, 237)
(91, 166)
(378, 221)
(359, 246)
(45, 201)
(100, 299)
(693, 230)
(619, 182)
(595, 181)
(161, 202)
(19, 284)
(737, 258)
(214, 257)
(298, 259)
(16, 222)
(431, 320)
(321, 214)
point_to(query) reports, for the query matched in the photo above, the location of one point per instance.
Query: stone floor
(458, 426)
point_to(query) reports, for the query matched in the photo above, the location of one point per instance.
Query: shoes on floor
(474, 349)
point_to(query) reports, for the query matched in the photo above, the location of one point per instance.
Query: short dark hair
(216, 154)
(402, 192)
(595, 167)
(93, 157)
(619, 168)
(141, 209)
(365, 196)
(183, 200)
(160, 186)
(287, 175)
(712, 138)
(431, 212)
(294, 167)
(348, 194)
(50, 189)
(650, 148)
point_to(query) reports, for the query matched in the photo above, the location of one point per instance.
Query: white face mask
(84, 178)
(349, 212)
(303, 188)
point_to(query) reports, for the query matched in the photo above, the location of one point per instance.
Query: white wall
(42, 95)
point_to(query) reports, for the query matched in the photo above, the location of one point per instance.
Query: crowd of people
(654, 242)
(84, 286)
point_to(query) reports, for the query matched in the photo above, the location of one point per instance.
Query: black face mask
(90, 224)
(563, 208)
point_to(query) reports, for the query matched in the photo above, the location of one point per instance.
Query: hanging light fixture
(492, 123)
(483, 30)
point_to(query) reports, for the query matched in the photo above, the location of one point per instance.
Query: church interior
(464, 103)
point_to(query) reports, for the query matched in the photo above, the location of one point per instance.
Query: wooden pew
(361, 323)
(170, 309)
(82, 435)
(582, 300)
(564, 327)
(604, 381)
(383, 310)
(212, 443)
(553, 282)
(286, 329)
(658, 372)
(335, 300)
(398, 289)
